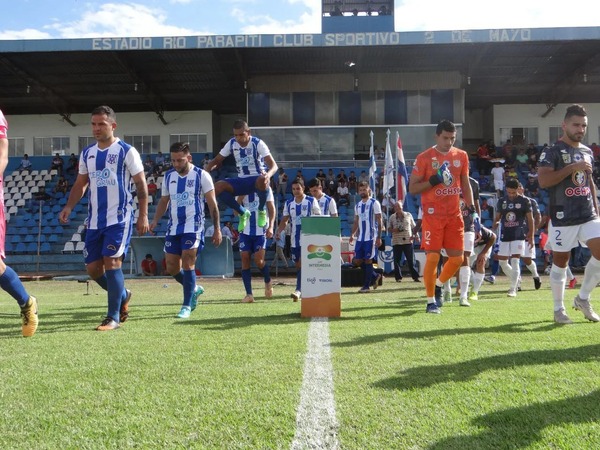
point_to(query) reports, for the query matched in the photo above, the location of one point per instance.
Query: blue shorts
(175, 245)
(112, 242)
(365, 249)
(252, 244)
(243, 186)
(295, 251)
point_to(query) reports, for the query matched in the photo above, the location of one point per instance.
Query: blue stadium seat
(20, 248)
(31, 247)
(45, 247)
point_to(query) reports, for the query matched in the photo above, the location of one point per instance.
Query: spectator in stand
(331, 184)
(25, 164)
(159, 163)
(149, 266)
(205, 161)
(491, 149)
(595, 148)
(363, 177)
(57, 164)
(498, 176)
(343, 193)
(73, 165)
(61, 186)
(483, 159)
(152, 188)
(352, 183)
(282, 180)
(148, 166)
(233, 234)
(341, 176)
(532, 187)
(322, 177)
(522, 161)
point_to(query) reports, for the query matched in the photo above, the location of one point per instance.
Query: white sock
(447, 286)
(477, 281)
(515, 263)
(464, 274)
(533, 269)
(558, 277)
(570, 275)
(591, 277)
(506, 268)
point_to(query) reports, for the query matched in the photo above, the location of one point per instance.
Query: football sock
(189, 285)
(558, 277)
(229, 199)
(266, 274)
(116, 284)
(591, 278)
(10, 282)
(179, 277)
(247, 280)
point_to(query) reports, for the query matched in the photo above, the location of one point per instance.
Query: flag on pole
(388, 180)
(402, 174)
(372, 167)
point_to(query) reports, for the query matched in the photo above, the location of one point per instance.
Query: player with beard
(565, 170)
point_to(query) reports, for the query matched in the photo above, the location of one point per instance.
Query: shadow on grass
(522, 427)
(427, 376)
(428, 334)
(227, 323)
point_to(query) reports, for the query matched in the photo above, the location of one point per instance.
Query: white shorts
(563, 239)
(499, 185)
(511, 248)
(469, 241)
(528, 252)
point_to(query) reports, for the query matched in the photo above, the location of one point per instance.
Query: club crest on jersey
(189, 183)
(560, 215)
(511, 206)
(456, 163)
(566, 159)
(510, 217)
(112, 159)
(435, 165)
(430, 210)
(578, 178)
(577, 157)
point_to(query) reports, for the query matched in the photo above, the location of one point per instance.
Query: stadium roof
(522, 66)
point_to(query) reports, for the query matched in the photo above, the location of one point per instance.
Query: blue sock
(9, 281)
(189, 284)
(266, 274)
(298, 278)
(262, 199)
(368, 268)
(229, 200)
(495, 267)
(247, 279)
(115, 282)
(102, 282)
(179, 277)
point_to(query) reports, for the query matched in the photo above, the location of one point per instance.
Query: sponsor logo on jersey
(448, 191)
(578, 178)
(560, 215)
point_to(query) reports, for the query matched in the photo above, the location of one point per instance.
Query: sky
(67, 19)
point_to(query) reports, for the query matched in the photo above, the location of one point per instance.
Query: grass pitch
(498, 375)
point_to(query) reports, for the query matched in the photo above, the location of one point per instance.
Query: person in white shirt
(296, 208)
(106, 170)
(184, 190)
(498, 177)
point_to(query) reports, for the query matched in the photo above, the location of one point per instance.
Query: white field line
(316, 423)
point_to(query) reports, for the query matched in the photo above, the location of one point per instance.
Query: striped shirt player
(107, 170)
(367, 228)
(185, 191)
(186, 206)
(255, 166)
(295, 209)
(565, 170)
(253, 240)
(326, 203)
(9, 280)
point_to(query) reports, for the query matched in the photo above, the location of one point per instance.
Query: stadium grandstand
(313, 98)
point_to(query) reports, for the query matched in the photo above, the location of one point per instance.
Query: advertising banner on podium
(321, 267)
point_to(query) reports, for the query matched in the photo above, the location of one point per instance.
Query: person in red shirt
(440, 174)
(149, 266)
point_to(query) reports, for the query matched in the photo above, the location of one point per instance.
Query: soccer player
(9, 280)
(368, 224)
(470, 231)
(565, 170)
(255, 166)
(300, 206)
(185, 188)
(253, 240)
(513, 212)
(440, 174)
(528, 255)
(326, 203)
(484, 242)
(106, 170)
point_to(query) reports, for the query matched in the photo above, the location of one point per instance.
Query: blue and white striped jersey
(327, 205)
(295, 211)
(186, 200)
(250, 202)
(109, 191)
(367, 225)
(249, 160)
